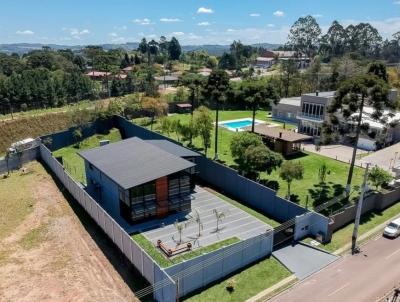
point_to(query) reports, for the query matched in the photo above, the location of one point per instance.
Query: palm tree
(197, 219)
(219, 216)
(179, 228)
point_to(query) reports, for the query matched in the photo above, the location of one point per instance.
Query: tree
(258, 159)
(333, 43)
(290, 171)
(350, 99)
(155, 106)
(304, 36)
(379, 177)
(166, 125)
(289, 69)
(323, 172)
(216, 88)
(174, 49)
(240, 143)
(77, 135)
(188, 132)
(179, 226)
(196, 218)
(203, 123)
(378, 69)
(219, 215)
(227, 61)
(256, 92)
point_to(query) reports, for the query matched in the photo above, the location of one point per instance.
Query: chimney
(317, 93)
(280, 134)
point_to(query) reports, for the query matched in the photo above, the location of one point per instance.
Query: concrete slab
(236, 223)
(303, 260)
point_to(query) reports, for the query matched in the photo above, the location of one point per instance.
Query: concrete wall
(280, 112)
(313, 224)
(15, 161)
(198, 272)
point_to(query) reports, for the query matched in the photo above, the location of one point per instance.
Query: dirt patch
(52, 255)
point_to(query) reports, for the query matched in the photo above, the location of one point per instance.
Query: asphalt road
(365, 277)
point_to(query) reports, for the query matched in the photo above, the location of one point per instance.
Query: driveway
(303, 260)
(365, 277)
(339, 152)
(385, 158)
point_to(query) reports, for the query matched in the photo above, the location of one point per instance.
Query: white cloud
(204, 24)
(170, 20)
(76, 33)
(279, 13)
(113, 35)
(205, 10)
(230, 30)
(386, 27)
(25, 32)
(255, 15)
(144, 21)
(177, 34)
(397, 2)
(270, 25)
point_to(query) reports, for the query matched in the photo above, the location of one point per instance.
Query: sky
(193, 22)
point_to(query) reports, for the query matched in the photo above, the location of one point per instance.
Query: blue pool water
(238, 124)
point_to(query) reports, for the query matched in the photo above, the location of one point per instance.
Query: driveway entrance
(303, 260)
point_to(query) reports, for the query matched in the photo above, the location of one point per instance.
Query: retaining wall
(16, 161)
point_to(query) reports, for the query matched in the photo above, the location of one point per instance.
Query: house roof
(167, 78)
(294, 101)
(133, 162)
(173, 148)
(95, 73)
(278, 133)
(263, 59)
(184, 105)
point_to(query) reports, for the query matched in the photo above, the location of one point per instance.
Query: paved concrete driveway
(339, 152)
(303, 260)
(385, 158)
(365, 277)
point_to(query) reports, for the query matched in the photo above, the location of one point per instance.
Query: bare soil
(56, 253)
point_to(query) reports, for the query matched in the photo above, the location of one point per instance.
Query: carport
(303, 260)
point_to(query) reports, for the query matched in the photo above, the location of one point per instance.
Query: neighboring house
(167, 80)
(98, 75)
(313, 112)
(139, 179)
(280, 55)
(262, 62)
(280, 140)
(287, 110)
(128, 69)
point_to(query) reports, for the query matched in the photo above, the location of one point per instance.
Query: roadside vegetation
(244, 284)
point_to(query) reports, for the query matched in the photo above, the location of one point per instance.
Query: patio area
(236, 223)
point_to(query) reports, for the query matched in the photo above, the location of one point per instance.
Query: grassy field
(74, 163)
(336, 179)
(343, 236)
(14, 206)
(163, 261)
(248, 283)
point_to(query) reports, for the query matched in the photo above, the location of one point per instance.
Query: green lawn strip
(157, 255)
(34, 237)
(368, 221)
(73, 163)
(258, 215)
(248, 283)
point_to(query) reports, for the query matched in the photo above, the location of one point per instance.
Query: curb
(276, 287)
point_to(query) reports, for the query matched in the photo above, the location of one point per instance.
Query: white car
(392, 230)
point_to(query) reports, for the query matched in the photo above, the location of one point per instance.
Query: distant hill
(214, 50)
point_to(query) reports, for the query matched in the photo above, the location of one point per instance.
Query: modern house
(282, 55)
(287, 110)
(167, 80)
(139, 179)
(262, 62)
(280, 140)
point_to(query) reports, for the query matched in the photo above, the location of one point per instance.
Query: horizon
(191, 22)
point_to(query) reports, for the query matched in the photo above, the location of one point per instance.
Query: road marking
(392, 254)
(339, 289)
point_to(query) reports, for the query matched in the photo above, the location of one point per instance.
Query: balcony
(311, 117)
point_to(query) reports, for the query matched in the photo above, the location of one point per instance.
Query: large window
(178, 185)
(313, 110)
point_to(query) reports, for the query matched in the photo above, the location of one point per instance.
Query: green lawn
(163, 261)
(336, 180)
(248, 283)
(343, 236)
(74, 163)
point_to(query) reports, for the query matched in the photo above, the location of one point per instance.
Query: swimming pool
(237, 125)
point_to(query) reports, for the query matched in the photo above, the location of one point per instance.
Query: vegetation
(73, 163)
(290, 171)
(247, 283)
(203, 123)
(163, 261)
(379, 177)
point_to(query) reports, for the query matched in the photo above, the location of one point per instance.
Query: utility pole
(354, 248)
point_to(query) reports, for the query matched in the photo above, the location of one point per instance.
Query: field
(248, 283)
(50, 250)
(308, 186)
(74, 163)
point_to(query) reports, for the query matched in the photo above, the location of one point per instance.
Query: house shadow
(296, 156)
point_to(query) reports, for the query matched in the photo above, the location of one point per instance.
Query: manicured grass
(335, 182)
(343, 236)
(74, 163)
(16, 200)
(248, 283)
(258, 215)
(163, 261)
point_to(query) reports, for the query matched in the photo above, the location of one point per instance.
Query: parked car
(392, 230)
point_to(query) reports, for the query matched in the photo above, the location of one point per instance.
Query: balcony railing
(314, 117)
